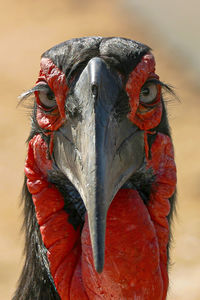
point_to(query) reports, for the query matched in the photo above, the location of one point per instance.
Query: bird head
(96, 100)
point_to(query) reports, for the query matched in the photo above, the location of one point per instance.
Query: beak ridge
(107, 151)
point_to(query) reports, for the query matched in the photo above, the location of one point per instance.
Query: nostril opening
(94, 90)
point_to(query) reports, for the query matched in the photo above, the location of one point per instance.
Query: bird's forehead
(126, 53)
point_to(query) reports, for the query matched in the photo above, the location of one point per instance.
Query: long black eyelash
(168, 88)
(38, 88)
(169, 91)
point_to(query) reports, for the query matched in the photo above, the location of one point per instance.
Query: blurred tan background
(27, 29)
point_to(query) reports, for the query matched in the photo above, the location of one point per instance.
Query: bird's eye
(47, 97)
(149, 92)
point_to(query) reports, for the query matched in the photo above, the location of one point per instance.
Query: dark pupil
(50, 95)
(145, 91)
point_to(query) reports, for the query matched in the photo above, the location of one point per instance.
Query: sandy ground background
(27, 29)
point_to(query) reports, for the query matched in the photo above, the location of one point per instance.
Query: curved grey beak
(97, 151)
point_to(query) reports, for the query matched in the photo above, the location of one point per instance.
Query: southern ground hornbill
(100, 175)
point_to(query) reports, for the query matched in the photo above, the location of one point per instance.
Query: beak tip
(99, 266)
(99, 257)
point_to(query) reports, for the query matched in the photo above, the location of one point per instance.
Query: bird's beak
(96, 150)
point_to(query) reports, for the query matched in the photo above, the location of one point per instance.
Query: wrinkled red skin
(136, 235)
(57, 82)
(143, 118)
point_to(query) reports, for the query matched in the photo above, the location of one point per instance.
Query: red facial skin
(56, 80)
(136, 235)
(143, 118)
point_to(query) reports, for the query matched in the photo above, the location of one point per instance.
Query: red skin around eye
(144, 70)
(56, 80)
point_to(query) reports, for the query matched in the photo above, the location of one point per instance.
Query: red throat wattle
(130, 239)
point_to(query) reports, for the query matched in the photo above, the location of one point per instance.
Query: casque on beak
(95, 150)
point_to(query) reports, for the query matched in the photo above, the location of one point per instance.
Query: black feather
(122, 54)
(35, 282)
(74, 205)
